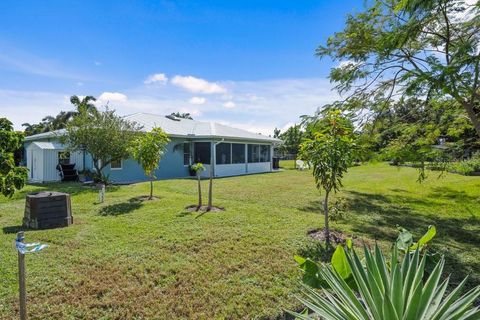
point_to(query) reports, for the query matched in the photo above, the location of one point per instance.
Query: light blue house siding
(233, 151)
(171, 166)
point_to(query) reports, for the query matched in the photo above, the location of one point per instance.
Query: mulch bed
(337, 237)
(195, 208)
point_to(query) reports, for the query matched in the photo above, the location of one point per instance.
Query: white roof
(195, 129)
(185, 128)
(49, 145)
(49, 134)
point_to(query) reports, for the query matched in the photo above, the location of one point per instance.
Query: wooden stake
(21, 281)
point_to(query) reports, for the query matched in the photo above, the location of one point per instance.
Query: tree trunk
(98, 170)
(199, 192)
(295, 161)
(472, 115)
(325, 212)
(151, 189)
(210, 194)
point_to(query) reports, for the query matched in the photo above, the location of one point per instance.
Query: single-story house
(235, 151)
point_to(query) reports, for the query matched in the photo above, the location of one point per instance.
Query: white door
(35, 170)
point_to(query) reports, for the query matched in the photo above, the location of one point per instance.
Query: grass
(153, 259)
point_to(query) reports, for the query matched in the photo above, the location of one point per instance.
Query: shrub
(392, 289)
(466, 167)
(375, 288)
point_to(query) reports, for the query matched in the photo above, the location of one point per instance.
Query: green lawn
(139, 260)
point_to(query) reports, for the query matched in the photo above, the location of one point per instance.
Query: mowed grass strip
(153, 259)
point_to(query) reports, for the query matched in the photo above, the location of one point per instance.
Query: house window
(253, 153)
(202, 152)
(64, 157)
(186, 154)
(258, 153)
(223, 153)
(264, 153)
(116, 165)
(238, 153)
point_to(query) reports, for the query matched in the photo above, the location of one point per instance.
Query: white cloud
(197, 100)
(197, 85)
(112, 97)
(156, 78)
(260, 105)
(97, 63)
(229, 104)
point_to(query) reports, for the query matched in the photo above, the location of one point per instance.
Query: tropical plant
(104, 135)
(148, 149)
(404, 242)
(84, 105)
(182, 115)
(12, 177)
(276, 133)
(329, 152)
(408, 48)
(49, 123)
(393, 289)
(198, 168)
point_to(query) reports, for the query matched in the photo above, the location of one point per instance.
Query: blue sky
(249, 64)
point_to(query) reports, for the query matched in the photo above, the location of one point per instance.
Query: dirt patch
(337, 237)
(195, 208)
(145, 198)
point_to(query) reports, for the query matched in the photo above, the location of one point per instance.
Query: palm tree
(50, 123)
(182, 115)
(31, 129)
(84, 105)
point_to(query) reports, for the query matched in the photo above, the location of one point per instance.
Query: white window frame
(117, 168)
(190, 154)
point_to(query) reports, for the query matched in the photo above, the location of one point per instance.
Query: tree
(409, 48)
(84, 105)
(60, 121)
(276, 133)
(182, 115)
(12, 177)
(329, 151)
(198, 168)
(292, 138)
(148, 149)
(425, 134)
(104, 135)
(49, 123)
(378, 287)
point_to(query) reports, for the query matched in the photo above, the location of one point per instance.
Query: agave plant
(387, 290)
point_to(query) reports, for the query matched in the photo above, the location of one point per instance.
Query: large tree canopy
(439, 128)
(104, 135)
(409, 48)
(11, 177)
